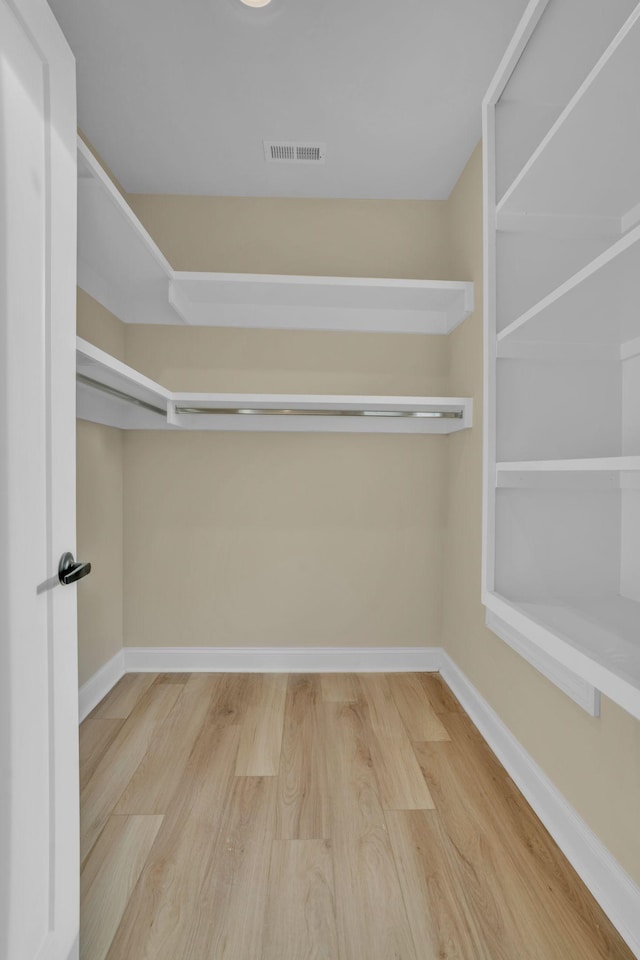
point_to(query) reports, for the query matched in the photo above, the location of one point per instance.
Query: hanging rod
(297, 412)
(113, 392)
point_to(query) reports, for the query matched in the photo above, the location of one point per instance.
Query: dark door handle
(70, 570)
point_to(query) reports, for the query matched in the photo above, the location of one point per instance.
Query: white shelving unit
(561, 571)
(112, 393)
(121, 266)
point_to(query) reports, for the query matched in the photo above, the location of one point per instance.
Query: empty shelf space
(574, 173)
(359, 304)
(598, 637)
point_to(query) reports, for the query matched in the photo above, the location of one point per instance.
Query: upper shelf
(545, 79)
(112, 393)
(558, 179)
(598, 304)
(321, 303)
(120, 265)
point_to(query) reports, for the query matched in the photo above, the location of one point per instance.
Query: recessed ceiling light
(255, 3)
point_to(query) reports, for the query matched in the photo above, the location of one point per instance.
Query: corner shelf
(121, 266)
(114, 394)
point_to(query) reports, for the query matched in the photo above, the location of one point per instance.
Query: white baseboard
(614, 889)
(281, 659)
(99, 685)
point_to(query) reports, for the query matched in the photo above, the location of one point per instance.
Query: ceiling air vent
(288, 152)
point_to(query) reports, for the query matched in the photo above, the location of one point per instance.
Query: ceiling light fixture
(255, 3)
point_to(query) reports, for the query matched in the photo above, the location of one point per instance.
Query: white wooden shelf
(574, 172)
(596, 473)
(592, 464)
(121, 266)
(112, 393)
(597, 638)
(598, 304)
(321, 303)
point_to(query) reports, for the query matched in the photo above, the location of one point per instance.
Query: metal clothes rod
(262, 412)
(113, 392)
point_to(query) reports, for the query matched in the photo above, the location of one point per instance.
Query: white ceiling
(178, 95)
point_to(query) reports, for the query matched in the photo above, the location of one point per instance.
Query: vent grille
(292, 152)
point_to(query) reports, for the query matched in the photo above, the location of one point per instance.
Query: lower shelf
(598, 638)
(114, 394)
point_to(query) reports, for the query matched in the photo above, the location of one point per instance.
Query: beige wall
(336, 238)
(100, 453)
(100, 327)
(282, 539)
(594, 762)
(302, 361)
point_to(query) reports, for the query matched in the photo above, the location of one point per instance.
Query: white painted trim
(614, 889)
(99, 685)
(281, 659)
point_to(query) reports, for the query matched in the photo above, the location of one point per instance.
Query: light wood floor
(271, 817)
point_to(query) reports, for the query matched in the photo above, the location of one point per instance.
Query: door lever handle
(70, 570)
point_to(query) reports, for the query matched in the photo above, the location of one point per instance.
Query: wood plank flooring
(321, 817)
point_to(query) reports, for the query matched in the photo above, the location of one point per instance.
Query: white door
(38, 669)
